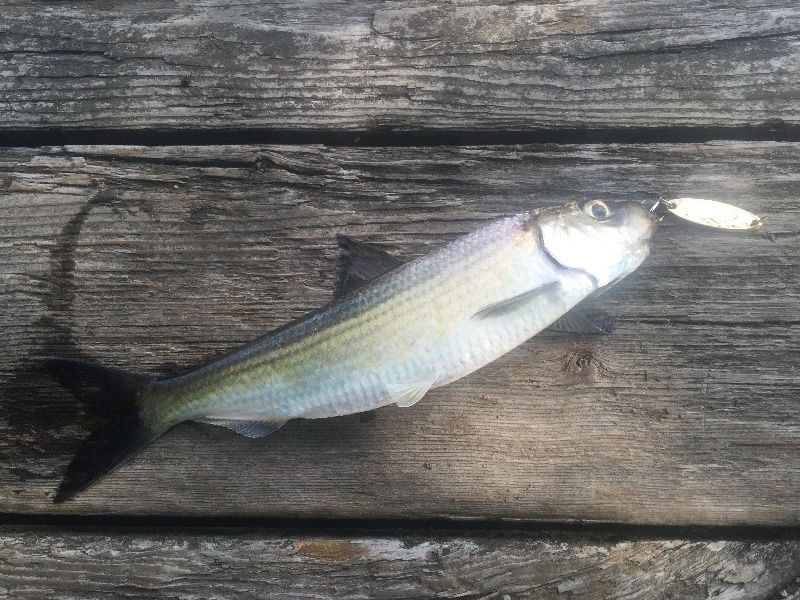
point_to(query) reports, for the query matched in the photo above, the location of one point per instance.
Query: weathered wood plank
(222, 564)
(372, 66)
(145, 257)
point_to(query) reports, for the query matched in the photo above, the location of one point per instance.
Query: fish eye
(597, 209)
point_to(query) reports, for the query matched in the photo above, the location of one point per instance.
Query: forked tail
(114, 393)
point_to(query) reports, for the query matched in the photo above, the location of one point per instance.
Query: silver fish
(410, 328)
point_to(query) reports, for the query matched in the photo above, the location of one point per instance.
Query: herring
(395, 332)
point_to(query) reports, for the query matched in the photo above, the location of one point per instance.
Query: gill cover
(608, 240)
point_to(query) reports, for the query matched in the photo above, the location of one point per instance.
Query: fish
(394, 331)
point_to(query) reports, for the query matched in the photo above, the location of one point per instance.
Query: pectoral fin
(409, 393)
(357, 263)
(576, 321)
(251, 429)
(510, 305)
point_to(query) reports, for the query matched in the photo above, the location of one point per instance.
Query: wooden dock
(172, 177)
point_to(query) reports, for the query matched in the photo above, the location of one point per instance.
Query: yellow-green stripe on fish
(403, 329)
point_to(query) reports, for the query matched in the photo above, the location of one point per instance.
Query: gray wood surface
(238, 564)
(159, 258)
(404, 66)
(155, 259)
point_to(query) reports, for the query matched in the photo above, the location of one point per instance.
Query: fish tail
(115, 394)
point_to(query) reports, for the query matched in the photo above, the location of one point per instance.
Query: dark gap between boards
(772, 131)
(609, 532)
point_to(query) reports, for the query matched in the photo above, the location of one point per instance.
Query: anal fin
(251, 429)
(409, 393)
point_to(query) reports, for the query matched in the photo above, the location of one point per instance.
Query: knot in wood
(582, 366)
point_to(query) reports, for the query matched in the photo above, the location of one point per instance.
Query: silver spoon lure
(707, 213)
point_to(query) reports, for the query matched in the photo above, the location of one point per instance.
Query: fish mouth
(641, 245)
(646, 228)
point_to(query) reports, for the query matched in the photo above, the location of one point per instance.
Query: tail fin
(113, 393)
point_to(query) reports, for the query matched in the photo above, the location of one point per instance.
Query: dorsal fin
(357, 263)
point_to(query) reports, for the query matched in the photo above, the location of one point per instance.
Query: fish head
(608, 240)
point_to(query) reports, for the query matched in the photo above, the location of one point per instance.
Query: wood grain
(262, 564)
(390, 66)
(155, 259)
